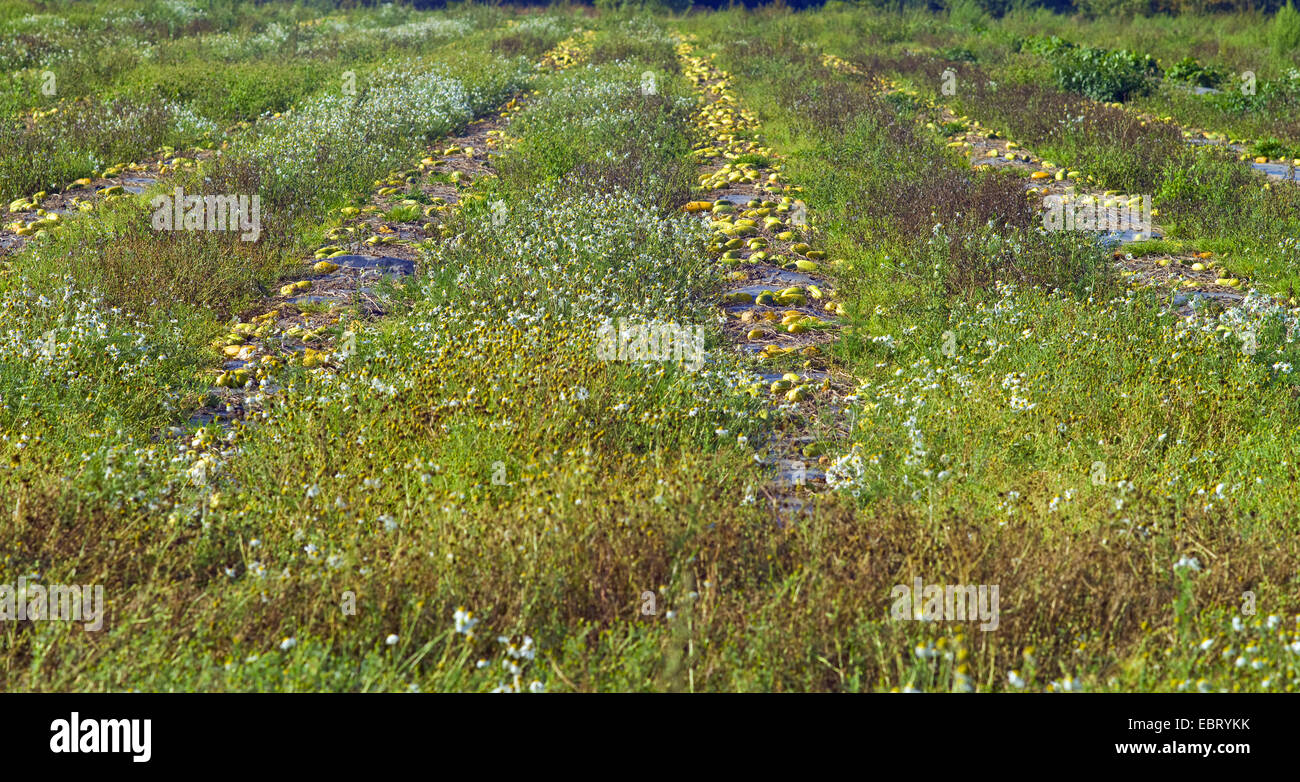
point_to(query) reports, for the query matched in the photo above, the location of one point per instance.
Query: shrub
(1285, 34)
(1192, 72)
(968, 15)
(1102, 74)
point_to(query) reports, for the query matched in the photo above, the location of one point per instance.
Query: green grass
(1015, 414)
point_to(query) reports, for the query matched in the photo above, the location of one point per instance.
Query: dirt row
(312, 320)
(780, 308)
(1189, 275)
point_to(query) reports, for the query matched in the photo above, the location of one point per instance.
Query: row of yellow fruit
(238, 343)
(1215, 136)
(1109, 199)
(1116, 199)
(28, 203)
(569, 51)
(793, 321)
(1265, 159)
(735, 229)
(792, 386)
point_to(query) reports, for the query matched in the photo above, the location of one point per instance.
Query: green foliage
(1284, 35)
(627, 139)
(1046, 46)
(987, 362)
(967, 15)
(1273, 148)
(959, 54)
(1191, 71)
(643, 6)
(1112, 9)
(1102, 74)
(235, 92)
(88, 136)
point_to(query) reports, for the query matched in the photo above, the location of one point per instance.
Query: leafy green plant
(967, 15)
(1044, 45)
(1284, 35)
(959, 54)
(1273, 148)
(1102, 74)
(405, 213)
(1191, 71)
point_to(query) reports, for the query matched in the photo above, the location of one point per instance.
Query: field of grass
(578, 350)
